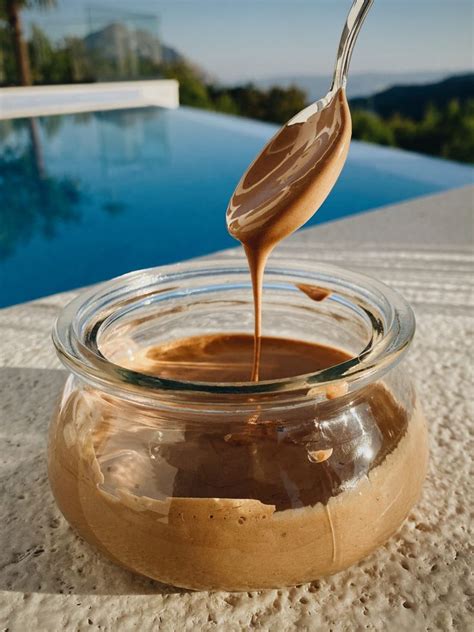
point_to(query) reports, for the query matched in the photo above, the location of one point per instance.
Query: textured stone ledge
(50, 580)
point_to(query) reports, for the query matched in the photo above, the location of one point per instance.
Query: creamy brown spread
(286, 185)
(234, 502)
(314, 292)
(228, 358)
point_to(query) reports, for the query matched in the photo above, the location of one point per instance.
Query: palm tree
(11, 11)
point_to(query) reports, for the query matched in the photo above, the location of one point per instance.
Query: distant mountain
(359, 85)
(170, 55)
(116, 41)
(412, 100)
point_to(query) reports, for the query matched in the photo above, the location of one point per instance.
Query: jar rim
(75, 328)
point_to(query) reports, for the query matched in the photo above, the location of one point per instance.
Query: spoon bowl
(296, 170)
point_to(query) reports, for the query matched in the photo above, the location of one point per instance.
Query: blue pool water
(89, 196)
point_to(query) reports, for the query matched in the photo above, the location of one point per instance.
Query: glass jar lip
(74, 339)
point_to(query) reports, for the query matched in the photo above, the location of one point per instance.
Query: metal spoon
(293, 175)
(296, 170)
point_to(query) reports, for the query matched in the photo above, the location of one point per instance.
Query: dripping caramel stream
(285, 186)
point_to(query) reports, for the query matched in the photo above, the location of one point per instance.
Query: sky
(240, 40)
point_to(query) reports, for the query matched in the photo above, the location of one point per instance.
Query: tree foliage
(276, 105)
(447, 132)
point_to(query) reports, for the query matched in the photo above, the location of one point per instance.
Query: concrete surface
(50, 580)
(418, 224)
(87, 97)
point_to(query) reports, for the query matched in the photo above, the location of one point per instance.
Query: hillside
(359, 85)
(412, 101)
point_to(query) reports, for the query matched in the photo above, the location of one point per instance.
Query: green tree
(371, 128)
(276, 105)
(282, 104)
(446, 131)
(226, 104)
(40, 54)
(11, 11)
(459, 126)
(8, 74)
(250, 101)
(81, 67)
(192, 89)
(404, 131)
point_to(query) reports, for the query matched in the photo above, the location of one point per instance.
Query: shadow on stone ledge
(40, 552)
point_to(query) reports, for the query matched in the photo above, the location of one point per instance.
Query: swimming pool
(89, 196)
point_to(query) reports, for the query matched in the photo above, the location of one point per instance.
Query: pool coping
(19, 102)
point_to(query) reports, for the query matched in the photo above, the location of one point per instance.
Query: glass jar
(236, 486)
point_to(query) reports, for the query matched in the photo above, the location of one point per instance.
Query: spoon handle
(354, 22)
